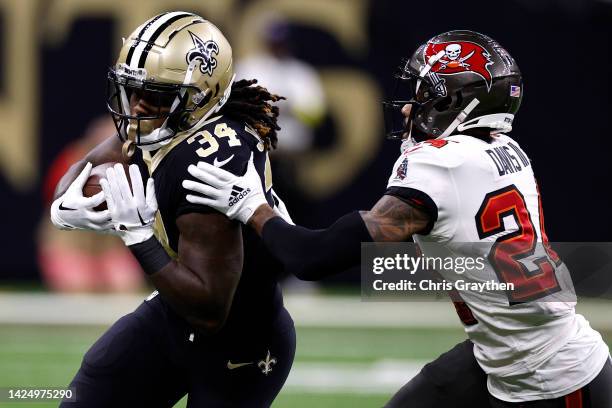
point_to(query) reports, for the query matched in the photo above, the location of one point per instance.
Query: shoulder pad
(437, 152)
(222, 142)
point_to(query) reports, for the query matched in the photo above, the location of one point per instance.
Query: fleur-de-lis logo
(204, 51)
(266, 365)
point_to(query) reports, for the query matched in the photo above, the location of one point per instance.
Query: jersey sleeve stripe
(419, 200)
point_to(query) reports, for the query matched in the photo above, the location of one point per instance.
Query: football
(92, 186)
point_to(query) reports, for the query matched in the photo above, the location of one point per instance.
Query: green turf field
(334, 367)
(49, 356)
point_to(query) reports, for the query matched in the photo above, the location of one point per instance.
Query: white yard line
(384, 376)
(307, 310)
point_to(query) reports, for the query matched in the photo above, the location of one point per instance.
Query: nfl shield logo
(400, 174)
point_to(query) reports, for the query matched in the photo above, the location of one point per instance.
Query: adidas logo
(237, 194)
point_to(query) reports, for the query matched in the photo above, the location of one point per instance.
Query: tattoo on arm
(393, 220)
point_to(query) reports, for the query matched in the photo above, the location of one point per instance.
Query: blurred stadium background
(53, 60)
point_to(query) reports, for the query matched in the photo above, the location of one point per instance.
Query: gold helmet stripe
(151, 32)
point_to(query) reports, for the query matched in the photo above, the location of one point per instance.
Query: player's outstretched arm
(314, 254)
(309, 254)
(393, 220)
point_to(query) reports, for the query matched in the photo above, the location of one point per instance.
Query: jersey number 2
(510, 248)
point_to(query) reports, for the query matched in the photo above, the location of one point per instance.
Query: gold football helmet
(181, 66)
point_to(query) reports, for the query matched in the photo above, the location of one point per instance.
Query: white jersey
(479, 192)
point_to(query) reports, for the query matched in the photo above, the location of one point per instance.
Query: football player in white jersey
(459, 179)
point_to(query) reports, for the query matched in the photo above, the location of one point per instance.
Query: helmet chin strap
(460, 118)
(407, 144)
(162, 133)
(499, 122)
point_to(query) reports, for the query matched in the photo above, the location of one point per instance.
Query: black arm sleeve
(315, 254)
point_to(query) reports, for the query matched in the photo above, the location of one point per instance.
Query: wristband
(151, 255)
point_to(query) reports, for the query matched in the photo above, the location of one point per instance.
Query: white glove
(74, 211)
(133, 214)
(235, 196)
(281, 208)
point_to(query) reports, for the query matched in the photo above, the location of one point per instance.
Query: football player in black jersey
(215, 328)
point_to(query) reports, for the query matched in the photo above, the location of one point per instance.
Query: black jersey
(228, 144)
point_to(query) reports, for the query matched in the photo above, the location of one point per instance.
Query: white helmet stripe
(140, 33)
(148, 33)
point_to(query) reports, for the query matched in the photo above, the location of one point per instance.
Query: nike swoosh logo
(222, 163)
(232, 366)
(62, 208)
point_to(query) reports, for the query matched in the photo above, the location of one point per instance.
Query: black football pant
(149, 359)
(455, 380)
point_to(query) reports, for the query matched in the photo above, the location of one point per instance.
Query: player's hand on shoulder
(73, 210)
(132, 210)
(235, 196)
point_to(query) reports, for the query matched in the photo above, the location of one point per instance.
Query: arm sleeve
(315, 254)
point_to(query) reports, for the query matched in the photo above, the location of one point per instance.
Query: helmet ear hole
(183, 122)
(203, 101)
(458, 100)
(443, 104)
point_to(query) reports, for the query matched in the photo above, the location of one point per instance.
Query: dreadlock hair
(252, 104)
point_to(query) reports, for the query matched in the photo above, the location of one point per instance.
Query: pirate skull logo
(456, 57)
(452, 51)
(452, 57)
